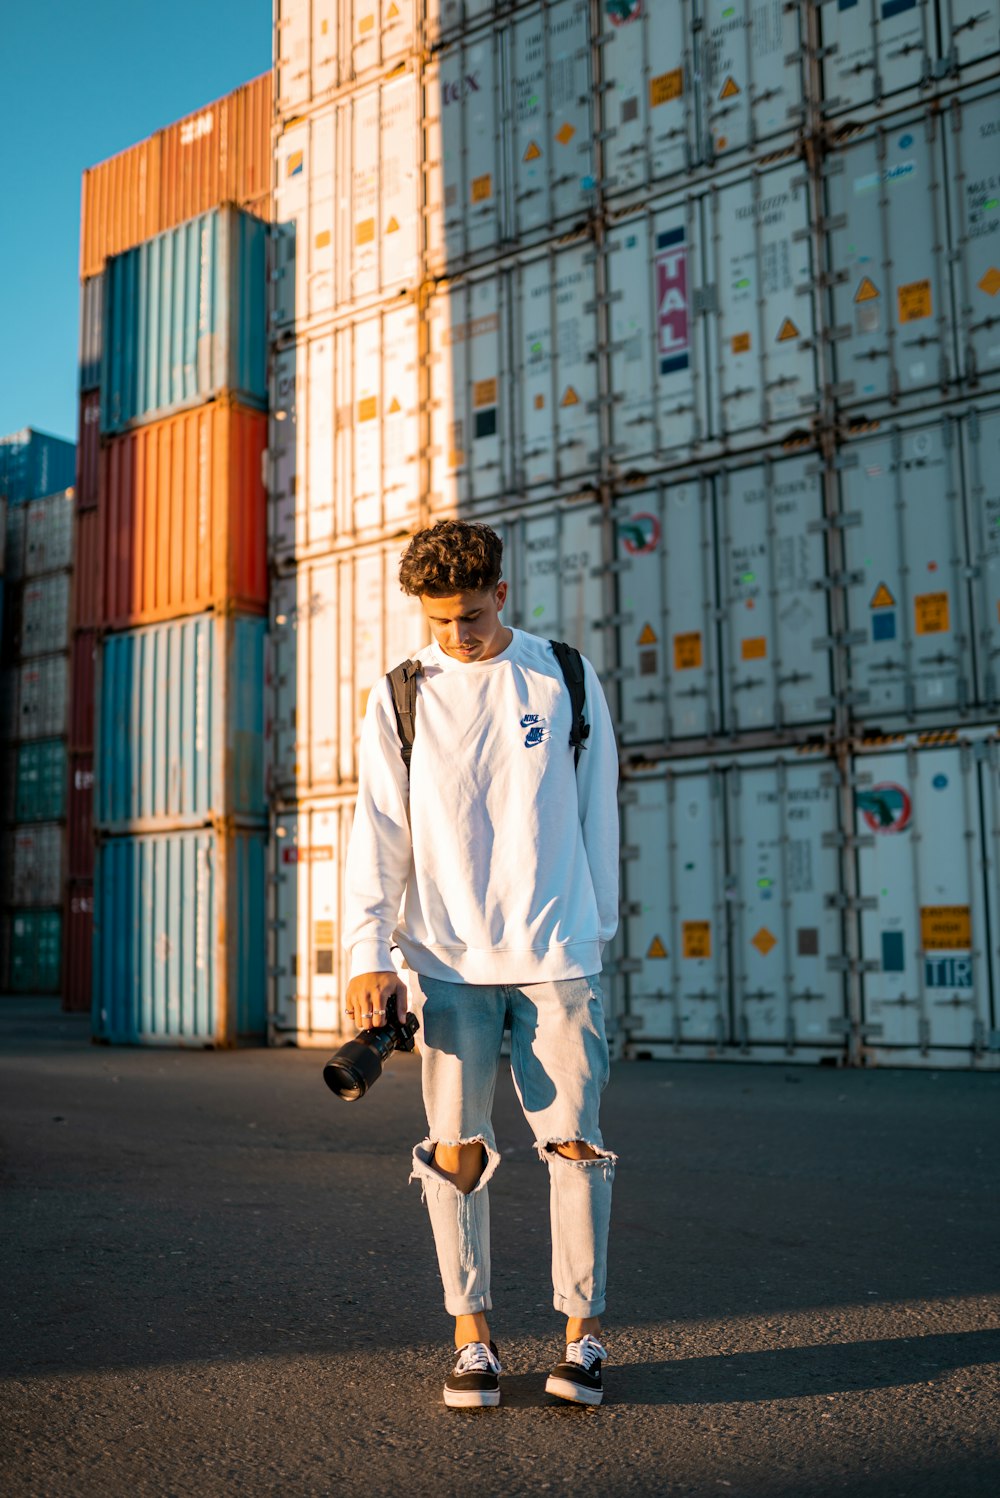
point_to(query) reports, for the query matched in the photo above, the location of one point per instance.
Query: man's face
(467, 626)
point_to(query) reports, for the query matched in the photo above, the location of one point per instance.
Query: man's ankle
(471, 1328)
(582, 1326)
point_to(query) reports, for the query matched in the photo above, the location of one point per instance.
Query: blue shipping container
(33, 464)
(180, 724)
(179, 939)
(185, 320)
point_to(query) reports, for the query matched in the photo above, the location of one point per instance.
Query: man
(495, 873)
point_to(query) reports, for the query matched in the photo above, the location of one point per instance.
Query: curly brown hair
(453, 556)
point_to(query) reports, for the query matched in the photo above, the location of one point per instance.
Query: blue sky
(80, 82)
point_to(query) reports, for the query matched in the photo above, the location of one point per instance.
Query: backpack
(403, 686)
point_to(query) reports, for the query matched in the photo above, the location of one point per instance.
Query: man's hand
(369, 993)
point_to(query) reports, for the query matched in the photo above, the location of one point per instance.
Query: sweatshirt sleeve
(379, 852)
(597, 791)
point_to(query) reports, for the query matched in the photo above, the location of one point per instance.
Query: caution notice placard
(914, 301)
(687, 651)
(932, 615)
(945, 928)
(697, 938)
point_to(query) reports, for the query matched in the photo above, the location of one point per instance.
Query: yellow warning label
(990, 283)
(368, 408)
(566, 134)
(914, 301)
(394, 407)
(730, 88)
(931, 611)
(787, 330)
(741, 343)
(482, 187)
(754, 649)
(533, 152)
(867, 291)
(455, 458)
(364, 232)
(687, 651)
(363, 697)
(656, 948)
(648, 636)
(392, 13)
(570, 398)
(366, 24)
(392, 227)
(697, 938)
(293, 164)
(322, 239)
(484, 393)
(882, 598)
(764, 941)
(322, 933)
(539, 403)
(945, 928)
(666, 87)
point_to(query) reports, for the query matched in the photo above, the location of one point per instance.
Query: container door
(305, 52)
(377, 438)
(972, 145)
(471, 392)
(308, 849)
(376, 32)
(558, 589)
(462, 152)
(750, 58)
(302, 283)
(981, 431)
(970, 32)
(874, 51)
(290, 525)
(649, 130)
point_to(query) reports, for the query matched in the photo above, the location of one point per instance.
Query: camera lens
(354, 1069)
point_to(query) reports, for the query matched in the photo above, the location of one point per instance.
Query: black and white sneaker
(475, 1379)
(579, 1377)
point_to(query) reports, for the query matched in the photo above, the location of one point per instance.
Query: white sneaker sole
(471, 1399)
(563, 1389)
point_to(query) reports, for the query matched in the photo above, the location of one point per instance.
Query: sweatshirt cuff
(370, 957)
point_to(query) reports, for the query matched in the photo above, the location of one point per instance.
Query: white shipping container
(34, 874)
(970, 32)
(924, 937)
(48, 533)
(444, 17)
(348, 204)
(875, 52)
(45, 614)
(972, 152)
(40, 698)
(749, 61)
(463, 141)
(553, 559)
(650, 127)
(344, 439)
(305, 53)
(889, 303)
(909, 648)
(307, 965)
(981, 431)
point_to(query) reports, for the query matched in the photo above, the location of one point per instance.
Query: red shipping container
(86, 572)
(80, 817)
(88, 447)
(83, 665)
(78, 947)
(183, 517)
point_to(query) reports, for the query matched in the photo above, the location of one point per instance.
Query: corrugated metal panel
(33, 464)
(969, 32)
(183, 516)
(41, 781)
(220, 154)
(872, 53)
(890, 300)
(981, 432)
(553, 559)
(320, 45)
(78, 948)
(649, 118)
(44, 614)
(306, 964)
(345, 434)
(39, 701)
(15, 527)
(924, 939)
(91, 335)
(80, 817)
(444, 17)
(86, 590)
(463, 144)
(184, 320)
(34, 945)
(181, 727)
(48, 534)
(348, 199)
(908, 609)
(83, 659)
(179, 938)
(971, 156)
(89, 450)
(749, 61)
(33, 872)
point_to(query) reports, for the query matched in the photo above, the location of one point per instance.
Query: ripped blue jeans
(559, 1057)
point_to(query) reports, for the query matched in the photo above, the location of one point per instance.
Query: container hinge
(843, 699)
(835, 522)
(852, 965)
(838, 839)
(613, 620)
(848, 1027)
(705, 299)
(839, 580)
(840, 901)
(841, 639)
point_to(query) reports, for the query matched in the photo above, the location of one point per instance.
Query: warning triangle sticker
(565, 134)
(392, 227)
(570, 398)
(730, 88)
(990, 282)
(787, 330)
(656, 948)
(394, 406)
(867, 291)
(648, 636)
(764, 941)
(392, 13)
(533, 152)
(882, 598)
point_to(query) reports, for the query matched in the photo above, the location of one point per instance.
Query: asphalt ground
(215, 1279)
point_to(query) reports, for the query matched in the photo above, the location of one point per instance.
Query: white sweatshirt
(505, 870)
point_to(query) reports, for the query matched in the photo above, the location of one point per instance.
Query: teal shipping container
(180, 731)
(33, 464)
(34, 951)
(185, 320)
(40, 793)
(179, 939)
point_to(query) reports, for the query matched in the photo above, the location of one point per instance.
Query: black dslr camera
(358, 1065)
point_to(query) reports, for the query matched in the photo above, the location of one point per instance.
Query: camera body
(358, 1065)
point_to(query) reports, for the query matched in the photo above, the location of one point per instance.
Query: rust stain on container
(182, 517)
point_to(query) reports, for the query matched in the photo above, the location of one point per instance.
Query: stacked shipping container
(167, 787)
(695, 303)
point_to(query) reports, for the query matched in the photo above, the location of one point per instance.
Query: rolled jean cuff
(570, 1306)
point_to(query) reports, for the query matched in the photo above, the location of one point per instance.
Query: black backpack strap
(571, 665)
(403, 686)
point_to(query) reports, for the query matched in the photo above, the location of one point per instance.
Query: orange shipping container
(182, 517)
(219, 154)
